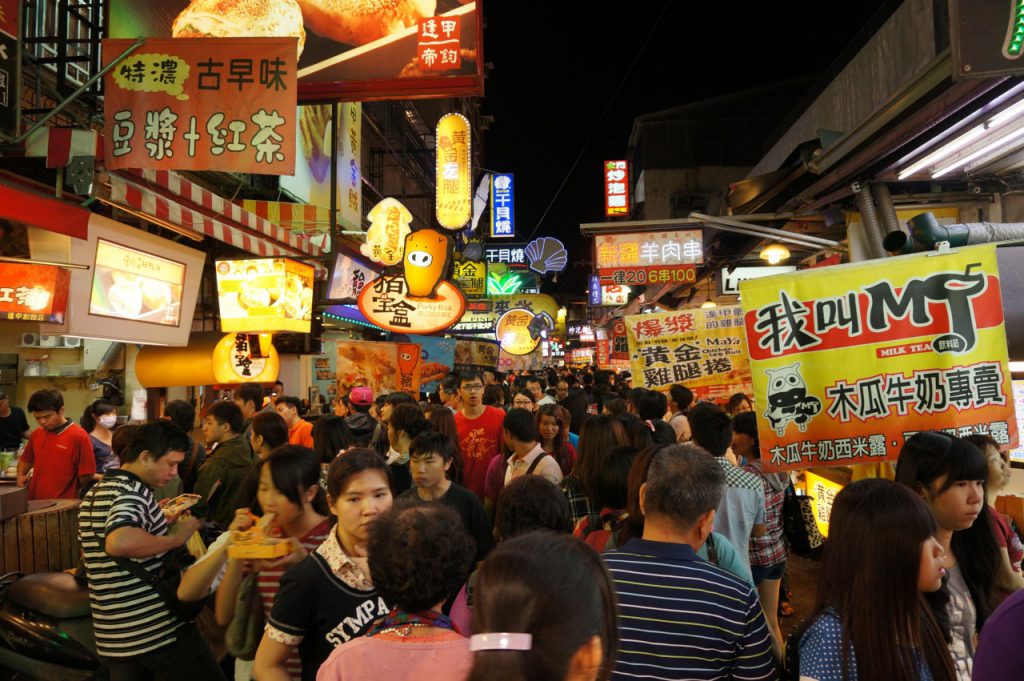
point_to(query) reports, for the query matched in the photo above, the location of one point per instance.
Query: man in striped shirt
(135, 629)
(679, 616)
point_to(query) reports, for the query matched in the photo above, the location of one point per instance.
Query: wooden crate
(43, 540)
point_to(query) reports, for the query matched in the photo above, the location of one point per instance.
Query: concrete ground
(803, 585)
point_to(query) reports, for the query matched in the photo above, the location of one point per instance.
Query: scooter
(46, 629)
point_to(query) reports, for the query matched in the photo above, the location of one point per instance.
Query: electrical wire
(604, 114)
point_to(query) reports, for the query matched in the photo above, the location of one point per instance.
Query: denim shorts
(763, 572)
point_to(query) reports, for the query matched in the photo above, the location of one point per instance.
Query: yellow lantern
(454, 176)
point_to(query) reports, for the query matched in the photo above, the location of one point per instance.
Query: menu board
(136, 285)
(266, 294)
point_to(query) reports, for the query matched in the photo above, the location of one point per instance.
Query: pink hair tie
(500, 641)
(650, 425)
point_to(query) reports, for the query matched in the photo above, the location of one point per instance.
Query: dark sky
(557, 64)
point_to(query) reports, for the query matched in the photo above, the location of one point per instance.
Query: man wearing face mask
(58, 454)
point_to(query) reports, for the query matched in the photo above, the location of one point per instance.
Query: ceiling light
(708, 304)
(774, 253)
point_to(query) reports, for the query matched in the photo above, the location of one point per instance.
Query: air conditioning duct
(926, 232)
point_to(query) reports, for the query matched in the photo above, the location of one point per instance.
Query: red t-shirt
(301, 434)
(58, 459)
(480, 440)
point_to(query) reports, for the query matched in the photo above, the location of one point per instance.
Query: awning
(170, 198)
(41, 211)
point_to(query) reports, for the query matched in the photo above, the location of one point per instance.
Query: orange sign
(616, 188)
(454, 175)
(33, 293)
(197, 104)
(387, 302)
(409, 356)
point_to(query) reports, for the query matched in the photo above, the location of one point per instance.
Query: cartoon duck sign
(419, 300)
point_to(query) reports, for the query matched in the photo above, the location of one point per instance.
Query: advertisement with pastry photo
(134, 285)
(370, 364)
(359, 49)
(266, 294)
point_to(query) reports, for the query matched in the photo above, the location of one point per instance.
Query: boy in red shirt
(480, 432)
(59, 452)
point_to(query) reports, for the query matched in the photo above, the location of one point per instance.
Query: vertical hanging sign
(616, 189)
(454, 205)
(503, 212)
(10, 62)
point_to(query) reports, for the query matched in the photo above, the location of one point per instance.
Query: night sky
(555, 71)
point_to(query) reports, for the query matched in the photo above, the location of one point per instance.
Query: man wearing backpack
(137, 631)
(528, 457)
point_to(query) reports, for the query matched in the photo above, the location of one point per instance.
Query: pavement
(804, 574)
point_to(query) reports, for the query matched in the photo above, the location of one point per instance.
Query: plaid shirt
(771, 548)
(579, 506)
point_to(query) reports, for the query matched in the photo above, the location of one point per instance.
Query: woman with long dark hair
(950, 474)
(599, 435)
(331, 436)
(545, 609)
(553, 425)
(871, 621)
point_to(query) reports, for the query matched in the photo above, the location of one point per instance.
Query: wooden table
(45, 539)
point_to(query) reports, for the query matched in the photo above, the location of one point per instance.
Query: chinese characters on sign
(616, 188)
(513, 255)
(845, 375)
(245, 358)
(386, 302)
(33, 293)
(10, 67)
(389, 226)
(196, 104)
(348, 278)
(614, 294)
(503, 211)
(453, 205)
(471, 277)
(705, 350)
(438, 47)
(649, 257)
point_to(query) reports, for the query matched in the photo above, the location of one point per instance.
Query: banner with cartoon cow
(849, 361)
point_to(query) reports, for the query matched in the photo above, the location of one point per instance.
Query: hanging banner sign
(409, 361)
(503, 210)
(479, 354)
(706, 350)
(520, 331)
(649, 257)
(437, 357)
(33, 293)
(389, 226)
(386, 302)
(614, 294)
(10, 67)
(616, 189)
(454, 174)
(848, 363)
(471, 277)
(197, 104)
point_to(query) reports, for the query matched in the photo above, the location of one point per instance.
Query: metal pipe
(78, 93)
(926, 232)
(869, 218)
(103, 368)
(768, 232)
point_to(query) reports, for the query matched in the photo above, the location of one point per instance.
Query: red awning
(41, 211)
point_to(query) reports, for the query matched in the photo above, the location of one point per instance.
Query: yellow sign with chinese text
(454, 205)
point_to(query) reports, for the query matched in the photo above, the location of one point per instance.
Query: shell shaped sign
(389, 227)
(454, 176)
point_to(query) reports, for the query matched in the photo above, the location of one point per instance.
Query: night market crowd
(555, 526)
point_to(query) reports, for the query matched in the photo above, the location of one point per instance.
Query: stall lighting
(774, 253)
(352, 321)
(708, 304)
(999, 143)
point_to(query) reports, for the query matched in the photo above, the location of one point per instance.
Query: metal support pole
(79, 92)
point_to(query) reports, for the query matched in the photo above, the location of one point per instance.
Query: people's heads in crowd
(290, 409)
(520, 427)
(571, 620)
(377, 407)
(613, 405)
(442, 421)
(610, 481)
(100, 413)
(331, 436)
(278, 389)
(431, 457)
(561, 389)
(406, 421)
(471, 389)
(358, 491)
(393, 400)
(525, 505)
(553, 423)
(998, 461)
(679, 398)
(745, 441)
(598, 435)
(223, 421)
(633, 398)
(536, 385)
(249, 398)
(639, 432)
(181, 414)
(651, 405)
(153, 451)
(122, 437)
(47, 408)
(881, 542)
(711, 428)
(289, 481)
(738, 404)
(269, 431)
(494, 395)
(360, 399)
(683, 490)
(524, 399)
(490, 376)
(419, 555)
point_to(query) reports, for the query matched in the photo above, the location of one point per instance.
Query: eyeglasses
(473, 387)
(522, 403)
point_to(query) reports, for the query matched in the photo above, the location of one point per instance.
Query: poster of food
(705, 350)
(438, 358)
(476, 354)
(132, 284)
(265, 294)
(851, 360)
(356, 50)
(532, 361)
(383, 367)
(324, 371)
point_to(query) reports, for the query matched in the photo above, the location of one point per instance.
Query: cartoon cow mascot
(788, 399)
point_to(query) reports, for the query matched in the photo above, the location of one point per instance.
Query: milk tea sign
(850, 361)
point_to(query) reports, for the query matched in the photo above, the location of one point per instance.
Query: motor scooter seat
(54, 594)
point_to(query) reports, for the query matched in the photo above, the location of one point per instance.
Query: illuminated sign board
(614, 294)
(348, 278)
(502, 281)
(616, 188)
(594, 290)
(471, 277)
(546, 254)
(503, 212)
(482, 316)
(649, 257)
(518, 332)
(454, 199)
(824, 492)
(729, 280)
(35, 293)
(389, 226)
(265, 294)
(132, 284)
(513, 255)
(235, 359)
(388, 303)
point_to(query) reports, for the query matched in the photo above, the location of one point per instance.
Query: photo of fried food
(357, 22)
(234, 18)
(433, 371)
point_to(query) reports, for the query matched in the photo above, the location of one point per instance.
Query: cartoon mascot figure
(788, 399)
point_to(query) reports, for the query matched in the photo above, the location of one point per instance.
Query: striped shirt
(129, 617)
(683, 618)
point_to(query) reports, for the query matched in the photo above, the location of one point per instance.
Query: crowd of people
(562, 526)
